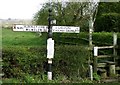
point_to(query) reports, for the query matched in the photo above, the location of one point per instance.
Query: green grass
(10, 80)
(11, 38)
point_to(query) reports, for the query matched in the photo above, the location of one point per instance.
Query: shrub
(68, 61)
(21, 59)
(108, 22)
(99, 38)
(71, 60)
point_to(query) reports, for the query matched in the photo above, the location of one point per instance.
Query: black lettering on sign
(45, 30)
(21, 28)
(59, 27)
(65, 27)
(17, 27)
(40, 30)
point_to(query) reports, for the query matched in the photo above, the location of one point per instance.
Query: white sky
(19, 9)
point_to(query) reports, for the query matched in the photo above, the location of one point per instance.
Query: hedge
(69, 61)
(82, 39)
(99, 38)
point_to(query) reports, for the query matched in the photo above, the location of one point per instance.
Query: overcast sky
(22, 9)
(19, 9)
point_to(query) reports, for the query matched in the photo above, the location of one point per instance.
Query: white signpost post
(50, 48)
(50, 42)
(50, 55)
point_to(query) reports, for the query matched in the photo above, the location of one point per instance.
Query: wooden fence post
(111, 66)
(95, 59)
(114, 44)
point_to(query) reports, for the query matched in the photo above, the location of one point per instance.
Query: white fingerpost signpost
(50, 42)
(50, 55)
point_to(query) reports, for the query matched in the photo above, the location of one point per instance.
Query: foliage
(71, 60)
(96, 76)
(11, 80)
(41, 17)
(71, 14)
(99, 38)
(77, 14)
(108, 17)
(119, 45)
(18, 61)
(28, 78)
(108, 22)
(108, 8)
(103, 38)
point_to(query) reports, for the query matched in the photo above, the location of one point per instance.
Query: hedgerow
(68, 61)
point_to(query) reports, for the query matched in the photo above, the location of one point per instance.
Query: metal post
(49, 37)
(49, 69)
(49, 22)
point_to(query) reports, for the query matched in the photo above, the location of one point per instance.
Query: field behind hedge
(11, 38)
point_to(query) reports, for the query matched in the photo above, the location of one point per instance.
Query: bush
(21, 59)
(99, 38)
(108, 22)
(69, 61)
(102, 38)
